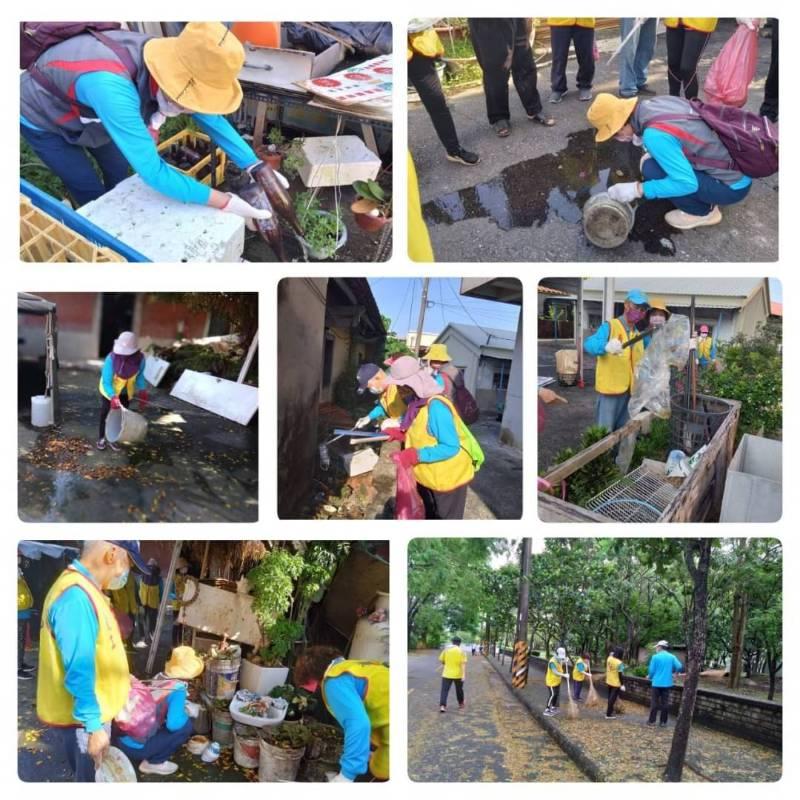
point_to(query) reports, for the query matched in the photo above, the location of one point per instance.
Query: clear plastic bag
(733, 69)
(408, 503)
(669, 347)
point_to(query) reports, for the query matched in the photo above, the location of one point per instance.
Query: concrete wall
(465, 356)
(754, 312)
(78, 315)
(163, 323)
(341, 360)
(301, 328)
(511, 429)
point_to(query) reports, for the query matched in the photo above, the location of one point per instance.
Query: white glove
(192, 709)
(278, 175)
(622, 688)
(751, 23)
(390, 423)
(693, 344)
(363, 422)
(242, 208)
(614, 347)
(624, 192)
(637, 141)
(337, 777)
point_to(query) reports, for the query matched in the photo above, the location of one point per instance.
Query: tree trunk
(773, 666)
(701, 550)
(737, 638)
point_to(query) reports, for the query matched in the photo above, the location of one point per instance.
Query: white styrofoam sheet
(234, 401)
(154, 369)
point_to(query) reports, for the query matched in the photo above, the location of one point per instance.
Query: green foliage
(281, 635)
(655, 445)
(272, 584)
(293, 158)
(638, 671)
(240, 309)
(752, 372)
(393, 346)
(322, 228)
(588, 481)
(373, 192)
(33, 170)
(275, 136)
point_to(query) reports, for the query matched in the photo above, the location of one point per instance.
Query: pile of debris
(221, 356)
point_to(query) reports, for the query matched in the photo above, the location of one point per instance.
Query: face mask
(119, 581)
(704, 336)
(169, 108)
(657, 322)
(624, 137)
(375, 390)
(634, 315)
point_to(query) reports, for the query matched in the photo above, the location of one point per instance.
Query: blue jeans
(710, 191)
(611, 410)
(159, 747)
(636, 55)
(72, 164)
(74, 741)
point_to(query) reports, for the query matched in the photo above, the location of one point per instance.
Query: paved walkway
(493, 739)
(628, 749)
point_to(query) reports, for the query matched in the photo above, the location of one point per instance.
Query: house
(326, 328)
(501, 290)
(425, 341)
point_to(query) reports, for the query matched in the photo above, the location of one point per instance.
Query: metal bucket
(276, 764)
(607, 222)
(222, 727)
(245, 746)
(124, 425)
(221, 677)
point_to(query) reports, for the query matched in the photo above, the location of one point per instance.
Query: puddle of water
(528, 193)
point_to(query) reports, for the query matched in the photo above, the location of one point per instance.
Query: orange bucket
(261, 34)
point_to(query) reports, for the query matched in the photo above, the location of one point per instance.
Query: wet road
(493, 739)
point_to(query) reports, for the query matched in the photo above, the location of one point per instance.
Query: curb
(585, 762)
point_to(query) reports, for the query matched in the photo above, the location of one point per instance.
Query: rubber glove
(362, 422)
(549, 396)
(236, 205)
(542, 485)
(259, 164)
(337, 777)
(115, 403)
(144, 397)
(388, 424)
(624, 192)
(614, 347)
(396, 435)
(406, 458)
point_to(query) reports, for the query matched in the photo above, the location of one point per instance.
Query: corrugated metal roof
(485, 337)
(717, 287)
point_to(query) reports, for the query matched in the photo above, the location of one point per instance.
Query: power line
(464, 309)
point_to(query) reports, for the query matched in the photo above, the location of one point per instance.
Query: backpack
(751, 140)
(36, 37)
(462, 398)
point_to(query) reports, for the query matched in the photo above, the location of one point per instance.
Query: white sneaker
(141, 644)
(685, 222)
(164, 768)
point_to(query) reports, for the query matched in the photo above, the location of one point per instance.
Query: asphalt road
(493, 739)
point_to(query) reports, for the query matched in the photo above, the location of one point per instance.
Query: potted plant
(373, 209)
(280, 751)
(273, 152)
(325, 232)
(300, 701)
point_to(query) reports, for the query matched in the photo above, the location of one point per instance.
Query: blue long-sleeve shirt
(107, 376)
(345, 697)
(442, 426)
(661, 668)
(377, 412)
(175, 719)
(73, 621)
(680, 179)
(116, 102)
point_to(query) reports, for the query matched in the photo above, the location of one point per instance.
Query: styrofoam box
(337, 161)
(754, 483)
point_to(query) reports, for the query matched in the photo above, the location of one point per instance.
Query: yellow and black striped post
(519, 665)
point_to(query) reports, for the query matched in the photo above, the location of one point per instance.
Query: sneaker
(556, 97)
(611, 716)
(442, 709)
(541, 119)
(555, 710)
(662, 724)
(140, 645)
(465, 157)
(26, 668)
(547, 712)
(502, 128)
(623, 96)
(685, 222)
(115, 447)
(101, 444)
(651, 724)
(164, 768)
(585, 95)
(462, 705)
(24, 676)
(646, 90)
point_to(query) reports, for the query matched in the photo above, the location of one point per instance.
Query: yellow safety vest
(703, 24)
(427, 43)
(419, 241)
(577, 675)
(149, 595)
(704, 348)
(612, 671)
(392, 404)
(581, 22)
(615, 373)
(376, 704)
(550, 678)
(24, 596)
(440, 476)
(124, 599)
(118, 384)
(112, 682)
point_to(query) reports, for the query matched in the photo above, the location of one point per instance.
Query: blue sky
(399, 298)
(775, 290)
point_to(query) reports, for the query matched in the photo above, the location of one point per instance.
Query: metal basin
(607, 222)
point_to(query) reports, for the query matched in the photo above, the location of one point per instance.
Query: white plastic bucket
(246, 751)
(41, 410)
(124, 425)
(276, 764)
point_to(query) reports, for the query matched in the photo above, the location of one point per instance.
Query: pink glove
(144, 397)
(543, 485)
(406, 458)
(115, 403)
(395, 434)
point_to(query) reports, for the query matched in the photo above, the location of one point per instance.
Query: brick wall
(757, 720)
(162, 321)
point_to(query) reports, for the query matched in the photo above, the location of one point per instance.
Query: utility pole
(422, 308)
(519, 664)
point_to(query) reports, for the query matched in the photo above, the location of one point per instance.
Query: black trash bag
(370, 39)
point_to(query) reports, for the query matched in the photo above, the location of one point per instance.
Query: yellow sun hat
(184, 663)
(608, 114)
(198, 68)
(438, 352)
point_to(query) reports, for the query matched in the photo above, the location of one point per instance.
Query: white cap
(662, 643)
(561, 652)
(126, 344)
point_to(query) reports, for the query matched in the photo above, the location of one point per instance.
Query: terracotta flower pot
(364, 219)
(274, 160)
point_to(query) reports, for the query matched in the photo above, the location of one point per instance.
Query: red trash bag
(408, 504)
(139, 717)
(733, 69)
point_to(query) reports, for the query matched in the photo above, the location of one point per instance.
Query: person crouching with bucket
(121, 380)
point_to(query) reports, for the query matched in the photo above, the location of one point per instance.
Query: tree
(393, 346)
(240, 309)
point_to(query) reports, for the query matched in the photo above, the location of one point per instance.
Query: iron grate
(641, 496)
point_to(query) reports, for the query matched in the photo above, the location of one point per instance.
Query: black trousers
(22, 627)
(613, 694)
(422, 76)
(502, 47)
(684, 48)
(769, 108)
(443, 505)
(561, 36)
(105, 407)
(553, 697)
(446, 683)
(659, 701)
(577, 688)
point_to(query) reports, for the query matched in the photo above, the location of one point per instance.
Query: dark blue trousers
(159, 747)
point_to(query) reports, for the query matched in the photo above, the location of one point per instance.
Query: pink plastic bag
(408, 504)
(733, 69)
(139, 717)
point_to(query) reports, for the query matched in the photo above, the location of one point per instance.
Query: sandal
(540, 118)
(502, 128)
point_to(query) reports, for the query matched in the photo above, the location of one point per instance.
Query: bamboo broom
(572, 708)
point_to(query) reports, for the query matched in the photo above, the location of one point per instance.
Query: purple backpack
(751, 140)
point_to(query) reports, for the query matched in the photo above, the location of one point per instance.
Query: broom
(592, 699)
(572, 708)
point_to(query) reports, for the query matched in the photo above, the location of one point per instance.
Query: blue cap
(132, 548)
(366, 372)
(637, 296)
